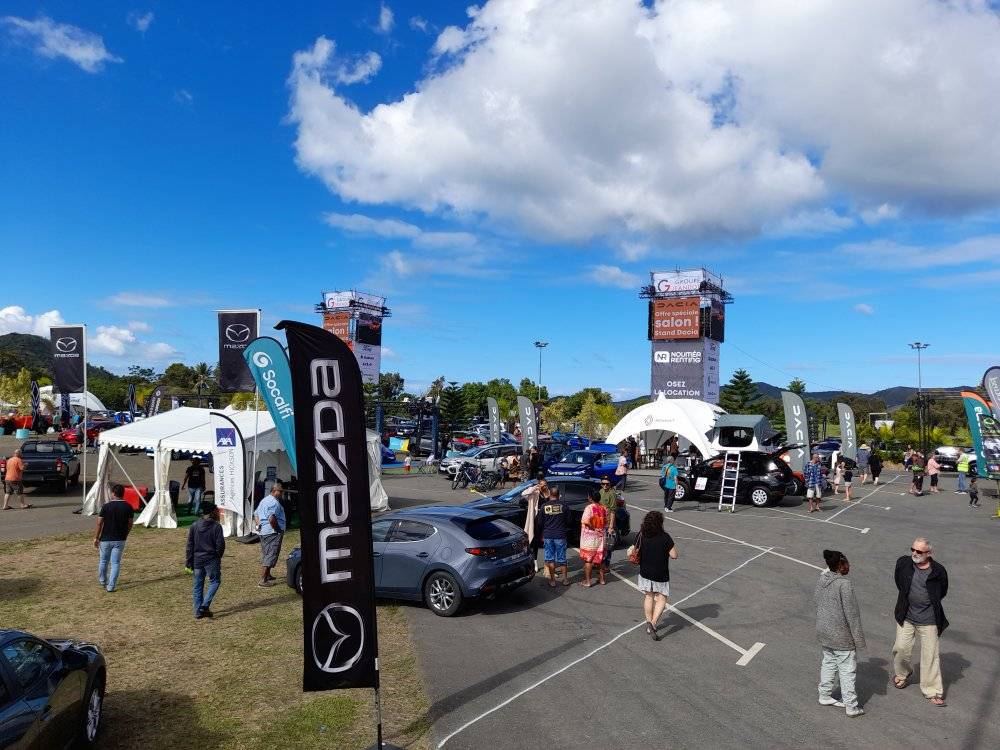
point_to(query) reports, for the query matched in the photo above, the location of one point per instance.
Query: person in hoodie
(205, 547)
(839, 631)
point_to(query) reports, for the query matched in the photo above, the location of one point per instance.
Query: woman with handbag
(655, 549)
(593, 527)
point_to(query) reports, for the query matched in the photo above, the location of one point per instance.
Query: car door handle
(376, 554)
(421, 554)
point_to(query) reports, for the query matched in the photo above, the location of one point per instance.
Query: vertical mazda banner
(237, 328)
(529, 425)
(991, 382)
(268, 364)
(494, 410)
(228, 458)
(69, 358)
(65, 410)
(339, 631)
(796, 429)
(848, 433)
(153, 401)
(985, 430)
(131, 401)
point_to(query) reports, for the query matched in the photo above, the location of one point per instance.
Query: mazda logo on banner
(338, 638)
(68, 360)
(237, 328)
(338, 586)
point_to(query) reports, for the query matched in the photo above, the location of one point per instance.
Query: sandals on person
(937, 700)
(900, 682)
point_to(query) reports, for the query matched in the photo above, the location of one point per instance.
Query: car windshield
(578, 457)
(512, 495)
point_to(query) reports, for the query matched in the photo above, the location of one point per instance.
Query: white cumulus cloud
(139, 299)
(54, 40)
(15, 319)
(580, 118)
(864, 309)
(613, 276)
(386, 20)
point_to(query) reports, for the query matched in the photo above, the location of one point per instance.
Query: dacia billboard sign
(680, 370)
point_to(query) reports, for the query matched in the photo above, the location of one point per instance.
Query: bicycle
(430, 466)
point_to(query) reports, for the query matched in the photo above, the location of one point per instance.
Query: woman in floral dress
(593, 528)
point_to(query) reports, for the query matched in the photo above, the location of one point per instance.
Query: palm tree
(202, 376)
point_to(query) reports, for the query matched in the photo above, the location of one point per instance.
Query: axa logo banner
(68, 358)
(339, 631)
(848, 432)
(237, 328)
(268, 364)
(529, 423)
(796, 428)
(228, 463)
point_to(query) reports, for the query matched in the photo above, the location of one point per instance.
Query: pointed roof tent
(688, 418)
(187, 428)
(75, 399)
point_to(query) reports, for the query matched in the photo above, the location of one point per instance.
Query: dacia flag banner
(153, 401)
(529, 424)
(848, 433)
(69, 358)
(268, 364)
(796, 429)
(36, 400)
(131, 401)
(985, 429)
(227, 463)
(494, 410)
(237, 328)
(991, 382)
(65, 411)
(339, 631)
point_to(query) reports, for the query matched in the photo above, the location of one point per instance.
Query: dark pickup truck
(47, 462)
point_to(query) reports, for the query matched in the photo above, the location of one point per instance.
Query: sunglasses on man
(919, 551)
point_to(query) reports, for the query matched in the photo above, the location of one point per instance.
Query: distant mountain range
(894, 397)
(19, 350)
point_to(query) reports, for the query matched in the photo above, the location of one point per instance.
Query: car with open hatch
(443, 555)
(51, 692)
(763, 479)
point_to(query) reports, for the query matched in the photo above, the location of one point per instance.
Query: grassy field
(230, 682)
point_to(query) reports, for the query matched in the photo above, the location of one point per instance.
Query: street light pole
(919, 346)
(541, 345)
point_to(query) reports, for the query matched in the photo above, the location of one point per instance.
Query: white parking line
(769, 550)
(747, 655)
(804, 517)
(860, 500)
(744, 658)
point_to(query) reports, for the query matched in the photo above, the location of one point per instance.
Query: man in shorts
(553, 520)
(14, 479)
(269, 520)
(814, 483)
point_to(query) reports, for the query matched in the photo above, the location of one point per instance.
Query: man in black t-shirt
(113, 527)
(553, 520)
(194, 480)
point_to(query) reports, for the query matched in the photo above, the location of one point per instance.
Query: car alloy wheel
(681, 491)
(443, 595)
(94, 706)
(759, 497)
(298, 580)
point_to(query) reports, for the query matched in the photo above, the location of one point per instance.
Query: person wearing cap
(668, 478)
(206, 545)
(609, 499)
(864, 455)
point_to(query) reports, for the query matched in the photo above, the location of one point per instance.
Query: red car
(69, 435)
(468, 439)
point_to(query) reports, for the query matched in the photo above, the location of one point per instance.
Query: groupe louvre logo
(334, 626)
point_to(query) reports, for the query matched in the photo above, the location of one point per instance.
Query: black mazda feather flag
(339, 631)
(237, 328)
(69, 358)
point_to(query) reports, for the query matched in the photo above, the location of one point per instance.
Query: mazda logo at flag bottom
(237, 328)
(339, 632)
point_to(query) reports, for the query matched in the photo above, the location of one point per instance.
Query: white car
(483, 456)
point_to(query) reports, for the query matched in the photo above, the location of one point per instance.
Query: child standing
(973, 492)
(406, 465)
(838, 477)
(848, 478)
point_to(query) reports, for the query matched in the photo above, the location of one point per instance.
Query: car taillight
(481, 551)
(59, 464)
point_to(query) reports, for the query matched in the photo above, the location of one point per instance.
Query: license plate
(700, 483)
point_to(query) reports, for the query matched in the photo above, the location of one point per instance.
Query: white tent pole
(253, 471)
(112, 454)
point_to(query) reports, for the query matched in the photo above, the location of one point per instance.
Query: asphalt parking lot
(738, 665)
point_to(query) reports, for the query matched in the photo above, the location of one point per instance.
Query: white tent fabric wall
(685, 417)
(377, 493)
(100, 489)
(75, 399)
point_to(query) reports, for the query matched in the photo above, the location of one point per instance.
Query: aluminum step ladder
(730, 481)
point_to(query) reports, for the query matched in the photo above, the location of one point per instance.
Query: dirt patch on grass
(230, 682)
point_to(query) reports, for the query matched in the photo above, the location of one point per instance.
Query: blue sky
(508, 176)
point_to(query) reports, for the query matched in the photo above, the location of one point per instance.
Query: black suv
(572, 490)
(763, 479)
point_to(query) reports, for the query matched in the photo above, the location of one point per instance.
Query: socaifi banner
(339, 630)
(227, 459)
(237, 328)
(529, 425)
(268, 364)
(848, 432)
(991, 382)
(69, 358)
(494, 411)
(985, 429)
(796, 429)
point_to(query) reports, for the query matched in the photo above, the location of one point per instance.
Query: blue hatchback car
(587, 463)
(443, 555)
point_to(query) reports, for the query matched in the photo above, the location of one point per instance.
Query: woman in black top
(656, 550)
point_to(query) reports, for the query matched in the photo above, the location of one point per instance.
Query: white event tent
(188, 429)
(75, 399)
(687, 418)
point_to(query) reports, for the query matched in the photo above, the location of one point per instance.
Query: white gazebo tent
(188, 429)
(687, 418)
(92, 402)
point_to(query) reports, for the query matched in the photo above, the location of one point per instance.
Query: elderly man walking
(269, 520)
(922, 583)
